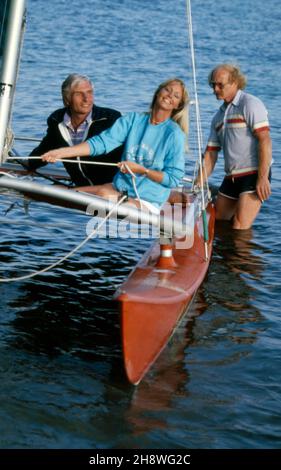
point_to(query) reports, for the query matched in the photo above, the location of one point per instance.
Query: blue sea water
(217, 384)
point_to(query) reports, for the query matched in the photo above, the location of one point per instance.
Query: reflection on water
(68, 316)
(238, 250)
(165, 382)
(217, 384)
(168, 379)
(227, 293)
(68, 310)
(236, 267)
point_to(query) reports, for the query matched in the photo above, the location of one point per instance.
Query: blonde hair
(235, 75)
(179, 115)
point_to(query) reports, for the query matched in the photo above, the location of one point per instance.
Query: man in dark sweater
(76, 122)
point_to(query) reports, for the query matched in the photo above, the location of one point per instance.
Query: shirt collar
(237, 97)
(235, 100)
(67, 120)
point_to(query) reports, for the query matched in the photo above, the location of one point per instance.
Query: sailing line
(63, 160)
(68, 255)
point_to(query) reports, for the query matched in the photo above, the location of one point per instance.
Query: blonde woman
(154, 146)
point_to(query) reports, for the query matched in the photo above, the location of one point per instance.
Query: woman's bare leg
(108, 192)
(103, 190)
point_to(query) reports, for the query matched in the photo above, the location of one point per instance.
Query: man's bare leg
(225, 207)
(247, 209)
(179, 197)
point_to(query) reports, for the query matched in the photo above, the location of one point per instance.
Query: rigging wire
(28, 139)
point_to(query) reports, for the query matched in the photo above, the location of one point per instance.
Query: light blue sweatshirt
(158, 147)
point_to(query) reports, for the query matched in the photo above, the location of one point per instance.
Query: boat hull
(154, 298)
(158, 291)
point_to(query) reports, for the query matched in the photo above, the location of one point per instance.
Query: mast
(11, 53)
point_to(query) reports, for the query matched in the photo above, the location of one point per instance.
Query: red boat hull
(154, 297)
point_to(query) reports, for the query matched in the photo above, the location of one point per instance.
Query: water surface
(217, 384)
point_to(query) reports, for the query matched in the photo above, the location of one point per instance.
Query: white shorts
(151, 207)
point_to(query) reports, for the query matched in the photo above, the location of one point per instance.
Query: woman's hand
(133, 167)
(81, 150)
(125, 166)
(54, 155)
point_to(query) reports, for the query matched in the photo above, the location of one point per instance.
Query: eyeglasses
(220, 85)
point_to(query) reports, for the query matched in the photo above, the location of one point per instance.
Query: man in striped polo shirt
(240, 128)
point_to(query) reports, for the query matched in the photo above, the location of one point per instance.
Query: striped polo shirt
(233, 131)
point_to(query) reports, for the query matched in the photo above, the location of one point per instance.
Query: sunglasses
(220, 85)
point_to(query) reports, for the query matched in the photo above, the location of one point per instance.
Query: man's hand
(263, 188)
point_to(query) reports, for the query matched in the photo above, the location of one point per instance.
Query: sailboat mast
(11, 53)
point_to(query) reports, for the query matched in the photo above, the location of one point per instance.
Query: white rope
(65, 160)
(8, 144)
(134, 183)
(48, 268)
(91, 163)
(7, 174)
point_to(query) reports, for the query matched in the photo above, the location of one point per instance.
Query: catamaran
(157, 293)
